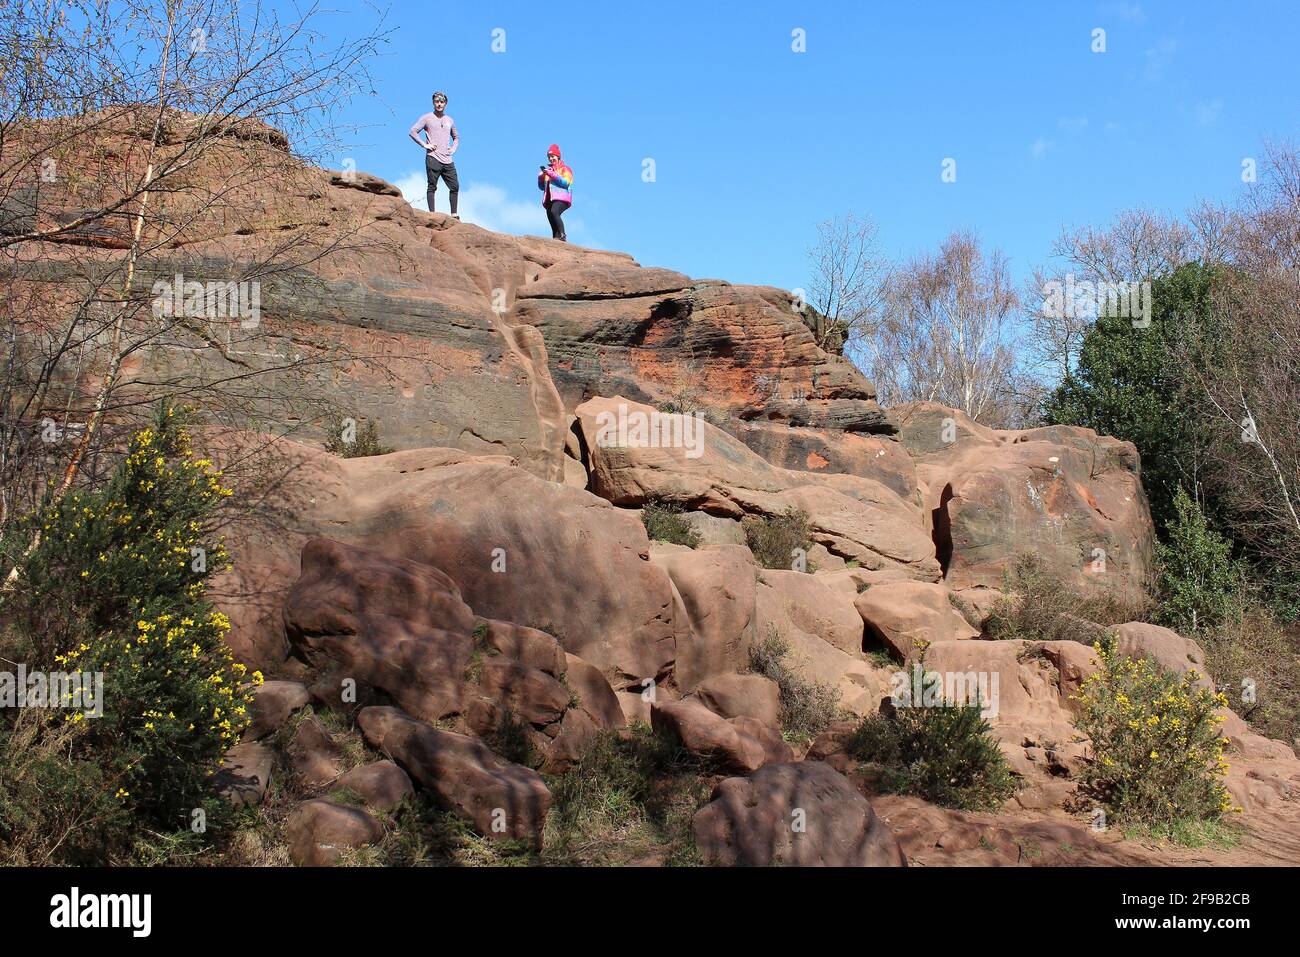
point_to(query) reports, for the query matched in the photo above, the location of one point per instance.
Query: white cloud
(1040, 147)
(492, 208)
(1207, 111)
(1158, 57)
(1132, 12)
(1072, 124)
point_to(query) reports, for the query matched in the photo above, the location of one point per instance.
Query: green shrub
(664, 523)
(1038, 604)
(944, 754)
(778, 540)
(1199, 582)
(1256, 660)
(351, 439)
(807, 707)
(1157, 754)
(53, 809)
(116, 585)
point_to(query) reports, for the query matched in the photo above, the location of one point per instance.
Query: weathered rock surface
(799, 815)
(742, 695)
(381, 784)
(1066, 495)
(314, 755)
(1164, 646)
(825, 634)
(499, 798)
(401, 627)
(245, 773)
(594, 695)
(854, 517)
(516, 547)
(1026, 686)
(274, 703)
(615, 329)
(707, 734)
(394, 624)
(320, 831)
(901, 614)
(717, 588)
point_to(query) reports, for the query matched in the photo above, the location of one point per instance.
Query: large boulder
(498, 798)
(1070, 497)
(1025, 688)
(393, 624)
(400, 627)
(1165, 647)
(320, 831)
(381, 784)
(709, 735)
(742, 695)
(902, 614)
(516, 547)
(637, 455)
(824, 633)
(716, 585)
(797, 815)
(594, 695)
(274, 703)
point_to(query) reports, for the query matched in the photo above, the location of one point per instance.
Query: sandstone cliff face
(508, 525)
(1067, 495)
(446, 334)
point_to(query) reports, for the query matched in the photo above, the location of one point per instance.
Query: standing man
(440, 144)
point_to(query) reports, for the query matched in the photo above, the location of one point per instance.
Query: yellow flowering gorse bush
(1157, 747)
(117, 586)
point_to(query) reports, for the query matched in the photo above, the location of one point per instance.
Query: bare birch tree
(846, 282)
(142, 142)
(946, 334)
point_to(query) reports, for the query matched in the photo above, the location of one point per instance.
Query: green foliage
(944, 754)
(774, 539)
(421, 832)
(511, 740)
(54, 810)
(664, 523)
(1132, 383)
(1157, 750)
(1038, 604)
(116, 585)
(1200, 583)
(1256, 660)
(807, 707)
(629, 799)
(351, 439)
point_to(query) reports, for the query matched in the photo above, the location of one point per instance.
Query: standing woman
(555, 181)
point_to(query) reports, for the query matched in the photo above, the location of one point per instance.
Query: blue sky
(754, 144)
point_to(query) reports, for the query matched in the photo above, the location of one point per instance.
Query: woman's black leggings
(554, 210)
